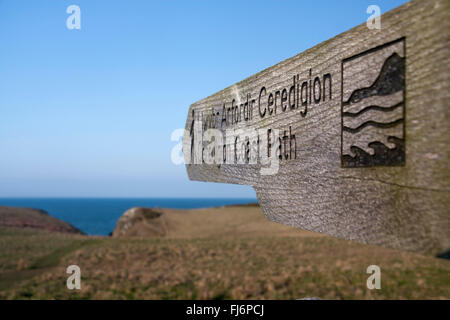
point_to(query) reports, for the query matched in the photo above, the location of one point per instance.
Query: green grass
(213, 267)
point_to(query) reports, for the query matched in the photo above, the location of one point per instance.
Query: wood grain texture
(399, 200)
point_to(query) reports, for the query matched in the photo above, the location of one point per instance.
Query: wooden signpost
(350, 138)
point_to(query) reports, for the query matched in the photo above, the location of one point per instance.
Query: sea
(98, 216)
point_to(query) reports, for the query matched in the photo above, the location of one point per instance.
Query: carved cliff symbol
(373, 107)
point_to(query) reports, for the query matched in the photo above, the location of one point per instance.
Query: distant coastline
(98, 216)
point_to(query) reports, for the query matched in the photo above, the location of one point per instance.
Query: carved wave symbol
(373, 119)
(375, 124)
(374, 108)
(382, 155)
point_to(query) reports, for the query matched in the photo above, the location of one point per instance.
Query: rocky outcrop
(141, 222)
(11, 217)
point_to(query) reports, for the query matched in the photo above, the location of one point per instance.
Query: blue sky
(89, 113)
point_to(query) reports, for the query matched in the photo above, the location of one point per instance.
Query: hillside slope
(216, 253)
(11, 217)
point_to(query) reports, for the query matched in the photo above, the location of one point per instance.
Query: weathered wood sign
(349, 138)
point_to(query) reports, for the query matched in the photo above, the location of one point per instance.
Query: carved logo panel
(373, 107)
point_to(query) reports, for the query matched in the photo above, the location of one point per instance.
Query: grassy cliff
(217, 253)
